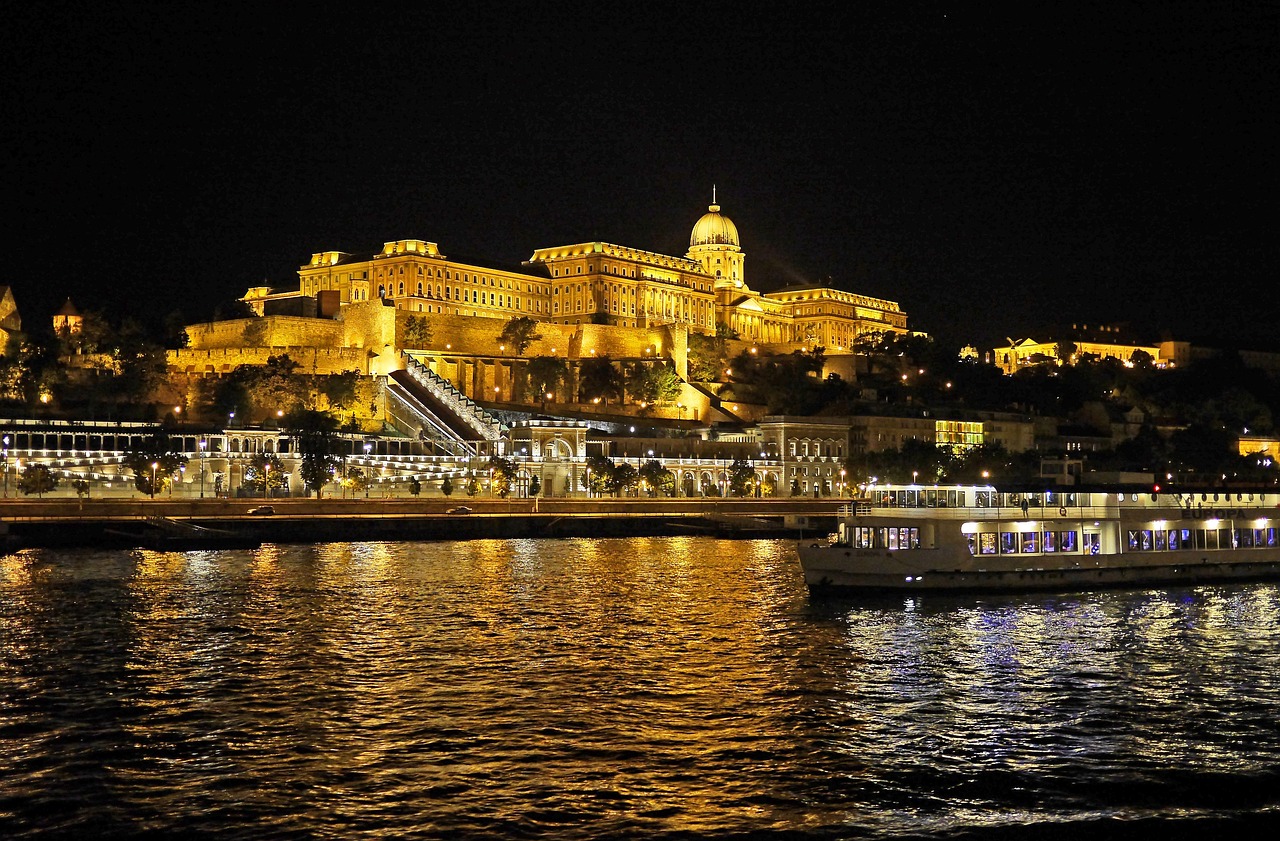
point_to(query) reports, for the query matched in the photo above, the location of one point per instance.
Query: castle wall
(276, 331)
(311, 360)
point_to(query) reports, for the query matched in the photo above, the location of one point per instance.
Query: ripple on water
(658, 687)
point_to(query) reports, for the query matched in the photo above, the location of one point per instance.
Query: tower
(714, 245)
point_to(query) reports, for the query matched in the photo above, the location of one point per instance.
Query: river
(642, 687)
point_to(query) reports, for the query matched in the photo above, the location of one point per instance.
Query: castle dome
(714, 229)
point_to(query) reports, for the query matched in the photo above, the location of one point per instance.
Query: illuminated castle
(592, 283)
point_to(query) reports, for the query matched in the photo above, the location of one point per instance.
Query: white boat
(954, 538)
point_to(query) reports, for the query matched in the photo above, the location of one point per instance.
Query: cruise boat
(954, 538)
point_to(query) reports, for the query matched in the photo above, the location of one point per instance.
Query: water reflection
(585, 687)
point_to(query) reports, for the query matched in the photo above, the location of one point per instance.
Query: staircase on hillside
(447, 417)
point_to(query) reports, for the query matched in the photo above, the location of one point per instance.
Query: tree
(504, 472)
(741, 477)
(81, 487)
(446, 486)
(1065, 350)
(654, 383)
(519, 333)
(315, 434)
(600, 471)
(415, 486)
(417, 332)
(661, 481)
(707, 357)
(153, 461)
(545, 375)
(264, 474)
(233, 310)
(535, 486)
(255, 332)
(339, 390)
(37, 479)
(622, 479)
(140, 363)
(598, 379)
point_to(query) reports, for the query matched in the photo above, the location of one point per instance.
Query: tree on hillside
(598, 379)
(707, 357)
(546, 373)
(339, 390)
(519, 333)
(417, 332)
(1065, 350)
(654, 383)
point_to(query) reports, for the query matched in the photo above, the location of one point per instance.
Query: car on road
(461, 509)
(263, 510)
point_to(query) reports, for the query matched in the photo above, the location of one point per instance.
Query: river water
(656, 688)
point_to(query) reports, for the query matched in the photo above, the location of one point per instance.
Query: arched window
(382, 291)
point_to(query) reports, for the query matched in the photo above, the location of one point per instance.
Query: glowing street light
(154, 465)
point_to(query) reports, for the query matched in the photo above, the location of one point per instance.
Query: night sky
(992, 170)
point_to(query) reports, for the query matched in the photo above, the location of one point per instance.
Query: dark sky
(992, 170)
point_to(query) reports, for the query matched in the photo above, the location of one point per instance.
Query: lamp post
(203, 444)
(154, 465)
(368, 470)
(4, 459)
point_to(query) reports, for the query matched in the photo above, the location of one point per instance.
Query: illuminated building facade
(595, 283)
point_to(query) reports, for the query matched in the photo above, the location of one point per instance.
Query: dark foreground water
(675, 688)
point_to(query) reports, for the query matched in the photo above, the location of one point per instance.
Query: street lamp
(203, 444)
(368, 471)
(154, 465)
(4, 459)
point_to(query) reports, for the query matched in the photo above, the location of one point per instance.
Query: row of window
(1032, 542)
(1158, 540)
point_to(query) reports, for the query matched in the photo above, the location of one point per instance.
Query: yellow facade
(599, 283)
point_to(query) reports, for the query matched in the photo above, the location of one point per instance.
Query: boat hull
(841, 569)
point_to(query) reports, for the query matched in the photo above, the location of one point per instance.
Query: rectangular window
(1160, 540)
(1030, 542)
(1092, 543)
(1008, 543)
(987, 543)
(1145, 539)
(1050, 541)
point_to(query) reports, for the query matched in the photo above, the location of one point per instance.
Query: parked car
(461, 509)
(265, 510)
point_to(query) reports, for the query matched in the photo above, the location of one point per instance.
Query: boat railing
(1087, 512)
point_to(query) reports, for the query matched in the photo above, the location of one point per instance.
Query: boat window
(893, 539)
(1067, 541)
(1271, 537)
(1008, 543)
(1092, 543)
(1030, 541)
(973, 545)
(1202, 539)
(1160, 540)
(1133, 539)
(1244, 538)
(1224, 539)
(1050, 541)
(987, 543)
(1145, 537)
(1174, 541)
